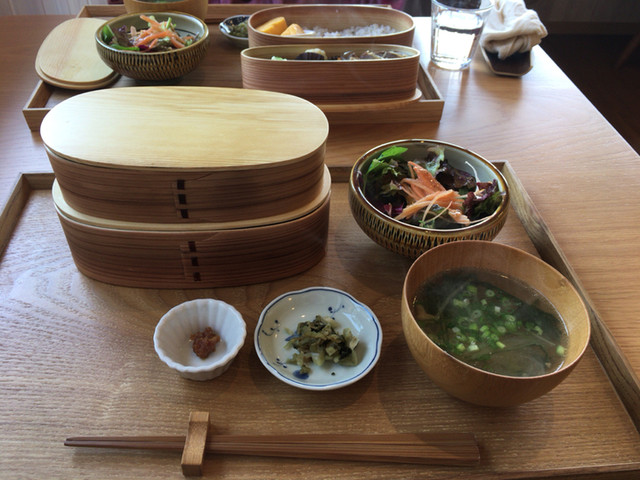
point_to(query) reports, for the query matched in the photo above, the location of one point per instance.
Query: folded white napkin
(510, 27)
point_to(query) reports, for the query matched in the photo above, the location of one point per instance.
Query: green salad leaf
(382, 184)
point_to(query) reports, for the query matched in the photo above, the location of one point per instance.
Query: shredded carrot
(156, 31)
(151, 21)
(425, 178)
(176, 42)
(426, 191)
(458, 216)
(152, 36)
(446, 199)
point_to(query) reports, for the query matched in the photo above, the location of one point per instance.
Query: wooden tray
(221, 68)
(87, 346)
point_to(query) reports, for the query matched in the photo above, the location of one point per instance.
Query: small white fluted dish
(280, 319)
(173, 332)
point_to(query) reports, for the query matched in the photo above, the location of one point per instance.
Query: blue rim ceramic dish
(227, 24)
(280, 318)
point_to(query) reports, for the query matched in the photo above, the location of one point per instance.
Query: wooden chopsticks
(457, 449)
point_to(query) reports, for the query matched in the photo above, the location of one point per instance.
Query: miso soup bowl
(409, 240)
(472, 384)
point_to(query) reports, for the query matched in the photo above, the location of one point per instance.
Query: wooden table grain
(76, 355)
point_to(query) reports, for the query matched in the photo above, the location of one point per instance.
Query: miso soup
(492, 322)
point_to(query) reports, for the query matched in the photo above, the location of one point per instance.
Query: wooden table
(77, 356)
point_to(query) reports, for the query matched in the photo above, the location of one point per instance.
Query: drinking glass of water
(456, 26)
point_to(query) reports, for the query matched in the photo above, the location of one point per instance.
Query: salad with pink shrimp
(427, 192)
(158, 37)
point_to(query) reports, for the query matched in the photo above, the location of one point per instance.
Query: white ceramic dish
(281, 317)
(172, 337)
(227, 24)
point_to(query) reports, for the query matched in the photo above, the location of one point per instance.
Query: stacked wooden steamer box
(378, 82)
(189, 187)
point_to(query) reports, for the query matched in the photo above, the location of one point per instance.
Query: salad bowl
(368, 205)
(154, 66)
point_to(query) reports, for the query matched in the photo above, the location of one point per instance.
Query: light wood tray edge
(35, 108)
(615, 365)
(428, 108)
(215, 12)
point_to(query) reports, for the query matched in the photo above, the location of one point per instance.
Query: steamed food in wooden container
(334, 24)
(334, 74)
(215, 155)
(230, 189)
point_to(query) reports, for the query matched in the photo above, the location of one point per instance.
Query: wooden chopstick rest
(195, 444)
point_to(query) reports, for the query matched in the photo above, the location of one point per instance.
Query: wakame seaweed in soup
(469, 314)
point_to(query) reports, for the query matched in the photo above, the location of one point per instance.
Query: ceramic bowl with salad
(153, 46)
(412, 195)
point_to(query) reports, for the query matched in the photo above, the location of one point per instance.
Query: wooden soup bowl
(472, 384)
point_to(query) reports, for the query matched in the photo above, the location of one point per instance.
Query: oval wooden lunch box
(335, 18)
(172, 154)
(333, 81)
(201, 255)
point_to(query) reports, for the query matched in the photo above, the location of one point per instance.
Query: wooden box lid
(184, 128)
(186, 154)
(68, 57)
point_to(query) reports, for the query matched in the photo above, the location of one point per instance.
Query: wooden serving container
(204, 255)
(333, 81)
(333, 18)
(162, 154)
(192, 7)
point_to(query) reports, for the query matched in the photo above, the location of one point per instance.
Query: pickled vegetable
(318, 341)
